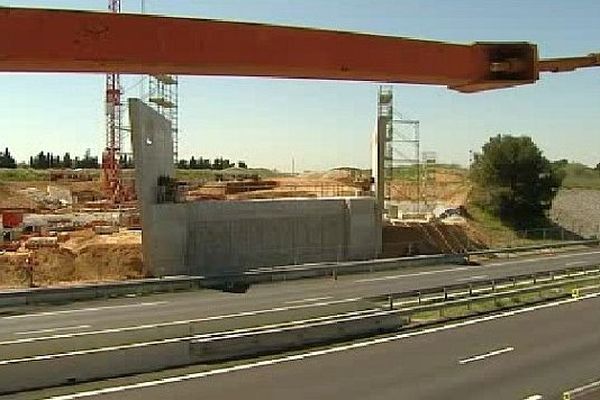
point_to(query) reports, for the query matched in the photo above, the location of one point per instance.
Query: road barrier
(240, 282)
(521, 249)
(21, 297)
(32, 372)
(28, 371)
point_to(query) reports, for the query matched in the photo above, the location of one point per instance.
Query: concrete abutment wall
(222, 237)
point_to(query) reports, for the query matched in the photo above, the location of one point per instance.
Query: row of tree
(205, 163)
(6, 160)
(47, 160)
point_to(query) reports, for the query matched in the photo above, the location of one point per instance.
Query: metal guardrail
(230, 282)
(455, 294)
(518, 249)
(239, 282)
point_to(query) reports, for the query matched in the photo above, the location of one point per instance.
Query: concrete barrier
(16, 298)
(240, 345)
(54, 295)
(50, 372)
(43, 371)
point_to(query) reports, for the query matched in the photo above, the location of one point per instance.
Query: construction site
(81, 225)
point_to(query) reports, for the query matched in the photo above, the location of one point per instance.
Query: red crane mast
(111, 168)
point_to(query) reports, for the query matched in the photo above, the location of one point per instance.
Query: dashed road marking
(485, 355)
(175, 323)
(82, 310)
(308, 300)
(50, 330)
(311, 354)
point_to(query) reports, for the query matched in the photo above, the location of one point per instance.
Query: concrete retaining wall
(216, 237)
(223, 237)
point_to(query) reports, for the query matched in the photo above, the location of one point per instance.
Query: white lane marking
(173, 323)
(49, 330)
(402, 276)
(575, 263)
(308, 300)
(470, 278)
(485, 355)
(582, 389)
(534, 397)
(200, 337)
(82, 310)
(311, 354)
(541, 259)
(475, 267)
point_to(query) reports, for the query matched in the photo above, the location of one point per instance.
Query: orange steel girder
(39, 40)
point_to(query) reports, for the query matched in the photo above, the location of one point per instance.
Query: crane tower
(111, 168)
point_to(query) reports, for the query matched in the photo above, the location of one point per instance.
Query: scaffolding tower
(163, 97)
(429, 161)
(400, 142)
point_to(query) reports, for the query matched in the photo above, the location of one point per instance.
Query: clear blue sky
(328, 124)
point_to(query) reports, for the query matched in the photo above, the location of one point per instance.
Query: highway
(261, 299)
(534, 353)
(49, 331)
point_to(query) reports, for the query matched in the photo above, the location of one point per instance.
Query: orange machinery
(39, 40)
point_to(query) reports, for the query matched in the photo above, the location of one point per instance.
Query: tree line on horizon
(47, 160)
(219, 163)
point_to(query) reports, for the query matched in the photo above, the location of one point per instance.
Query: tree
(514, 180)
(67, 162)
(242, 164)
(598, 167)
(193, 163)
(6, 160)
(182, 164)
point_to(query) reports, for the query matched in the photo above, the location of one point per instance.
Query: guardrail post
(445, 294)
(470, 289)
(493, 286)
(334, 274)
(391, 301)
(534, 279)
(419, 298)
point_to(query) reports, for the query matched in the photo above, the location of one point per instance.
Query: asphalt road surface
(527, 354)
(125, 312)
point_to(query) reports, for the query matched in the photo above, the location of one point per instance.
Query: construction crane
(111, 167)
(40, 40)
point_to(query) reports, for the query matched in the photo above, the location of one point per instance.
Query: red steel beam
(39, 40)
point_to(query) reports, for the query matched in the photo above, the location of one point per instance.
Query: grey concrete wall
(152, 144)
(217, 237)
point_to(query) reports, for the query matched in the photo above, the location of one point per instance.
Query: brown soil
(85, 257)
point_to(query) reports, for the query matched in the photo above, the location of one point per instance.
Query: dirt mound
(83, 258)
(429, 238)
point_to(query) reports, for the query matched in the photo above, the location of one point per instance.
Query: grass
(208, 174)
(579, 176)
(498, 233)
(31, 175)
(509, 300)
(23, 175)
